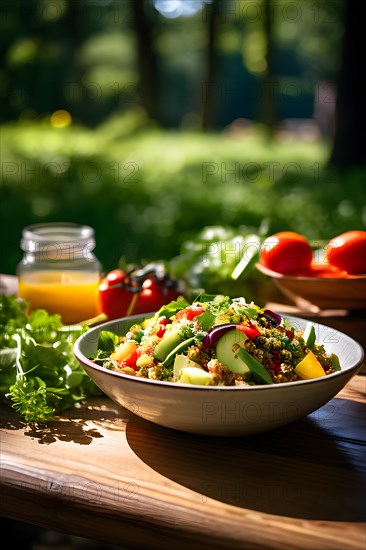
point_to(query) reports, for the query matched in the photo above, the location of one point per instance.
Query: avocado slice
(227, 349)
(170, 340)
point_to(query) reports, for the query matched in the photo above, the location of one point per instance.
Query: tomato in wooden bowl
(333, 278)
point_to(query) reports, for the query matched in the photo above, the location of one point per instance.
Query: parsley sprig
(39, 375)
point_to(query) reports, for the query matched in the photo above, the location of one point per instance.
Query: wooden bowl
(315, 293)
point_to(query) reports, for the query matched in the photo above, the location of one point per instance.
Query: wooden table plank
(103, 473)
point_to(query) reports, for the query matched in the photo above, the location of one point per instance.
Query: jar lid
(63, 235)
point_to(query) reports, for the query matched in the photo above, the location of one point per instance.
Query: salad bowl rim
(83, 360)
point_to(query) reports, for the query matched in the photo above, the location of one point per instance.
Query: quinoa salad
(219, 341)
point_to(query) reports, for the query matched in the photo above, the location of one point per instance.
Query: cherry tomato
(324, 271)
(120, 295)
(114, 296)
(153, 295)
(286, 252)
(190, 312)
(347, 252)
(163, 321)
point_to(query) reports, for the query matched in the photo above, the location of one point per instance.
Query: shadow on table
(24, 536)
(74, 425)
(301, 470)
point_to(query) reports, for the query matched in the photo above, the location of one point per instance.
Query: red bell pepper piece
(251, 331)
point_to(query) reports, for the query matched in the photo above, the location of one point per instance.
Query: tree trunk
(146, 58)
(208, 87)
(267, 107)
(349, 144)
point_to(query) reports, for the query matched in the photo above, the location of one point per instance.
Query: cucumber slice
(227, 349)
(182, 346)
(169, 341)
(260, 374)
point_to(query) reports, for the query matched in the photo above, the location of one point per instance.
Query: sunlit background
(152, 120)
(180, 130)
(81, 55)
(178, 8)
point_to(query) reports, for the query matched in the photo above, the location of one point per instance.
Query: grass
(146, 191)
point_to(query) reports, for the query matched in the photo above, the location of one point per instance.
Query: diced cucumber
(180, 362)
(169, 341)
(227, 349)
(187, 371)
(195, 375)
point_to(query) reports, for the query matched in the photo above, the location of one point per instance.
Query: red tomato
(286, 252)
(347, 252)
(119, 295)
(251, 331)
(153, 295)
(323, 270)
(190, 312)
(114, 296)
(163, 321)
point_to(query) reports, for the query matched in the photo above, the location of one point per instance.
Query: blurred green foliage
(80, 55)
(147, 191)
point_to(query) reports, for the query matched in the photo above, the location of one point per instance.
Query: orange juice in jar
(59, 271)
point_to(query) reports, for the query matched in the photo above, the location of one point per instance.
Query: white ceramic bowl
(221, 411)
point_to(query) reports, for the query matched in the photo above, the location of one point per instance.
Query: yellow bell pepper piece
(309, 367)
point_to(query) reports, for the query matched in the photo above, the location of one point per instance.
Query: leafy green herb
(39, 375)
(107, 341)
(172, 308)
(334, 359)
(206, 320)
(218, 302)
(249, 311)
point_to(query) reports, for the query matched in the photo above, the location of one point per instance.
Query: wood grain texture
(103, 473)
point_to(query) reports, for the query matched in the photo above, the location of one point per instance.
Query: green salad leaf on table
(39, 375)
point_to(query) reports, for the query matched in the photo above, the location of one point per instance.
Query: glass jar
(59, 271)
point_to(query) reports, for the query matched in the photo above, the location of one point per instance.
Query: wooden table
(101, 472)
